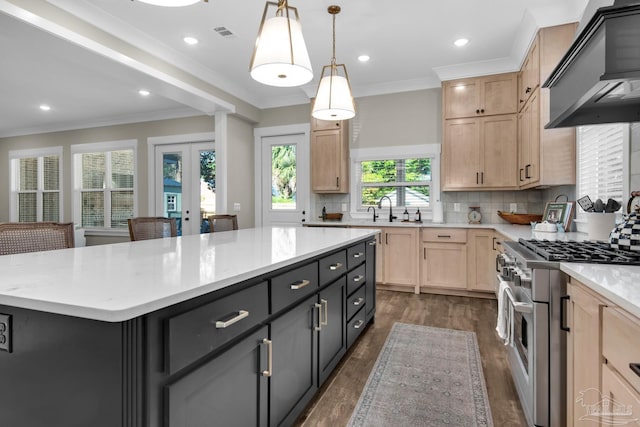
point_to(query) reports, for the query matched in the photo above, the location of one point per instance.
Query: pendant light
(172, 3)
(334, 100)
(280, 57)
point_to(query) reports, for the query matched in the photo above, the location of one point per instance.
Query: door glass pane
(283, 177)
(172, 187)
(207, 187)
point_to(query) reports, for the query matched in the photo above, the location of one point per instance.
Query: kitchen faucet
(391, 217)
(374, 212)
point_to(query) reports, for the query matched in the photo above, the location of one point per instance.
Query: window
(408, 179)
(601, 155)
(104, 184)
(36, 193)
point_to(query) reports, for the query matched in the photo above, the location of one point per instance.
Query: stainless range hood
(598, 79)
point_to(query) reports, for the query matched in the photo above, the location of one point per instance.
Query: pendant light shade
(171, 3)
(334, 100)
(280, 57)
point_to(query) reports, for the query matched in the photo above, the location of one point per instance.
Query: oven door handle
(562, 304)
(520, 307)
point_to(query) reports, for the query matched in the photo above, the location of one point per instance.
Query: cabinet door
(400, 258)
(332, 340)
(461, 152)
(583, 351)
(229, 389)
(326, 158)
(461, 98)
(295, 359)
(529, 141)
(444, 265)
(370, 274)
(499, 151)
(325, 124)
(530, 73)
(499, 94)
(622, 400)
(481, 263)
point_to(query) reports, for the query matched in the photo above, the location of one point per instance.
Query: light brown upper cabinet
(480, 96)
(329, 156)
(480, 153)
(547, 156)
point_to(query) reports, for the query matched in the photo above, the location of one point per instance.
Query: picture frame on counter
(559, 213)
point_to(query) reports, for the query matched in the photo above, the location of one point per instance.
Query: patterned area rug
(425, 376)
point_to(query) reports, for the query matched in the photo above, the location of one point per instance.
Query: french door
(185, 184)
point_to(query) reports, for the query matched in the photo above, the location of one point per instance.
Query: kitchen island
(239, 327)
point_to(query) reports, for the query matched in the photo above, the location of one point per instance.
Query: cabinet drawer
(620, 344)
(355, 327)
(289, 287)
(332, 267)
(355, 278)
(197, 332)
(355, 302)
(355, 255)
(455, 235)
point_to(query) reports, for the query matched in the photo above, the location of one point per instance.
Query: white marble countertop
(121, 281)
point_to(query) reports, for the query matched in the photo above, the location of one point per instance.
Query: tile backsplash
(490, 202)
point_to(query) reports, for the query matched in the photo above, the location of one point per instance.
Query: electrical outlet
(456, 207)
(236, 207)
(5, 332)
(513, 207)
(344, 207)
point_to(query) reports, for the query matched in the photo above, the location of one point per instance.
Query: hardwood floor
(337, 398)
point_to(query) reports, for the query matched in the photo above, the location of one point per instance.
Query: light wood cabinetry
(329, 156)
(547, 156)
(396, 258)
(481, 272)
(480, 96)
(583, 351)
(480, 153)
(444, 258)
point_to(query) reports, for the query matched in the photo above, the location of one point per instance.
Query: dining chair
(222, 223)
(148, 227)
(22, 237)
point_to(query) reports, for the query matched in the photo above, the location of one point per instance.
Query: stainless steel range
(537, 346)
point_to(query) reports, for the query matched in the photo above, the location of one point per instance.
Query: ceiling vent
(224, 32)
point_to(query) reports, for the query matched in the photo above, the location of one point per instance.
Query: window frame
(581, 216)
(14, 169)
(404, 152)
(102, 147)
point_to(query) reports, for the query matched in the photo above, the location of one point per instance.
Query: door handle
(299, 284)
(319, 307)
(269, 370)
(220, 324)
(335, 266)
(325, 304)
(562, 303)
(358, 301)
(358, 278)
(358, 324)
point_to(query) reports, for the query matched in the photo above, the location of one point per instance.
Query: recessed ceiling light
(190, 40)
(461, 42)
(144, 92)
(363, 58)
(45, 107)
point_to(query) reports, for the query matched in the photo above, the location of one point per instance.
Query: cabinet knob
(482, 110)
(478, 111)
(528, 90)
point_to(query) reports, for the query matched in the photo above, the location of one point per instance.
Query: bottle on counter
(324, 213)
(405, 215)
(418, 215)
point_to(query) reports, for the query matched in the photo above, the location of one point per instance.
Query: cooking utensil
(612, 206)
(598, 206)
(586, 204)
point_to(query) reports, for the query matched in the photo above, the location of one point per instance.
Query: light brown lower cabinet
(444, 258)
(481, 272)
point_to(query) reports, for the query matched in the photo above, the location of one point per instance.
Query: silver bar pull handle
(325, 304)
(335, 266)
(521, 307)
(269, 370)
(299, 284)
(358, 301)
(319, 327)
(358, 255)
(358, 324)
(220, 324)
(358, 278)
(372, 243)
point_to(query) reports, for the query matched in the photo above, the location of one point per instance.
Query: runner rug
(427, 377)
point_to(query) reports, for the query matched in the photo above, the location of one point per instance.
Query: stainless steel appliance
(537, 349)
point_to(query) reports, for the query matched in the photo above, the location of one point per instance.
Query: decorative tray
(521, 219)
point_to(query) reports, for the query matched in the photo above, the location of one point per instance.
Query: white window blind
(600, 158)
(104, 183)
(36, 179)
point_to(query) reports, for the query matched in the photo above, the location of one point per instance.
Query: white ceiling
(88, 58)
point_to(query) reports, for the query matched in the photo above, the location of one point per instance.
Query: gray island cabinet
(235, 329)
